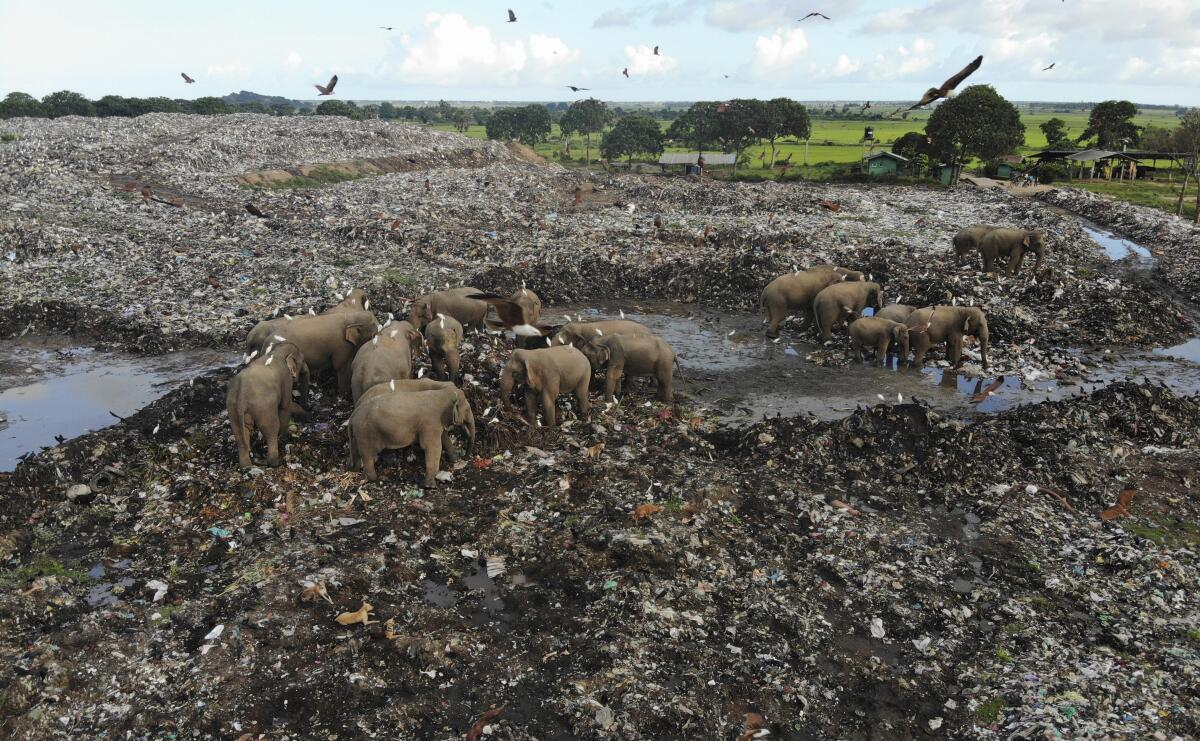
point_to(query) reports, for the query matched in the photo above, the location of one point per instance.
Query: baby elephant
(260, 395)
(879, 333)
(626, 356)
(443, 336)
(1011, 245)
(547, 373)
(841, 301)
(398, 420)
(580, 333)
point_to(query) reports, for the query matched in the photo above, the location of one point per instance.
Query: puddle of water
(50, 386)
(493, 611)
(1117, 248)
(439, 595)
(743, 376)
(1189, 350)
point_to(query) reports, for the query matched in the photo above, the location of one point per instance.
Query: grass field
(836, 143)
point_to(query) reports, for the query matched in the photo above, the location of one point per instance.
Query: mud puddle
(52, 388)
(1116, 247)
(728, 365)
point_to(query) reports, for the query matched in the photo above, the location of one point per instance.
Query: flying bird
(656, 51)
(1050, 67)
(866, 106)
(327, 89)
(947, 88)
(625, 72)
(512, 17)
(186, 78)
(726, 77)
(577, 89)
(812, 15)
(386, 28)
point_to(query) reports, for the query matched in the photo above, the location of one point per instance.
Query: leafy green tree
(528, 124)
(503, 125)
(387, 111)
(67, 103)
(695, 128)
(783, 117)
(979, 122)
(16, 105)
(913, 146)
(338, 108)
(737, 123)
(210, 106)
(1055, 129)
(1156, 139)
(636, 133)
(461, 119)
(282, 109)
(1111, 124)
(161, 104)
(587, 117)
(1186, 140)
(251, 107)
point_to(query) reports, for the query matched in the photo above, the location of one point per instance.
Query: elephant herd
(373, 362)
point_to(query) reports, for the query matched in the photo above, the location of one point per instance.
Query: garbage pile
(1174, 241)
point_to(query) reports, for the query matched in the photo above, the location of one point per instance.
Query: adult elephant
(327, 342)
(1011, 245)
(967, 240)
(795, 292)
(842, 301)
(949, 324)
(453, 302)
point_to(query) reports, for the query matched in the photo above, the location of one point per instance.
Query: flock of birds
(945, 90)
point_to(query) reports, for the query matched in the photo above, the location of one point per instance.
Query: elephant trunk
(1041, 253)
(506, 386)
(982, 335)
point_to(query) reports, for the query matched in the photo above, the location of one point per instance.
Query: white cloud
(229, 69)
(293, 60)
(906, 61)
(614, 17)
(1168, 68)
(643, 61)
(457, 52)
(781, 49)
(845, 66)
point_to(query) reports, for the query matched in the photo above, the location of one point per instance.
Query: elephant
(549, 372)
(968, 239)
(260, 395)
(355, 300)
(443, 336)
(530, 302)
(1012, 244)
(398, 420)
(796, 291)
(328, 341)
(843, 300)
(625, 356)
(388, 355)
(580, 333)
(895, 312)
(409, 385)
(948, 324)
(871, 331)
(453, 302)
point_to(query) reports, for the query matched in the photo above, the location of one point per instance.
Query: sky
(1147, 51)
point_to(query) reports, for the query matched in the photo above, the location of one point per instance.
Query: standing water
(51, 388)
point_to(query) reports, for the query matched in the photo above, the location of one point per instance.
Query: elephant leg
(548, 407)
(241, 434)
(881, 350)
(856, 347)
(775, 315)
(954, 346)
(433, 458)
(531, 405)
(368, 455)
(305, 381)
(611, 376)
(355, 459)
(1014, 262)
(270, 428)
(581, 399)
(343, 375)
(665, 379)
(920, 347)
(439, 367)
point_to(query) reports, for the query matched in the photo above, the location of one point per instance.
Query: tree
(282, 109)
(636, 133)
(587, 117)
(528, 124)
(1111, 123)
(1186, 138)
(783, 117)
(1055, 129)
(387, 111)
(913, 146)
(696, 127)
(67, 103)
(979, 122)
(16, 105)
(462, 120)
(210, 106)
(338, 108)
(737, 123)
(1156, 139)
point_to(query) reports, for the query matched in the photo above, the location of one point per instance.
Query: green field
(836, 141)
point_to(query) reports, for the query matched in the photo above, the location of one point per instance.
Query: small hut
(883, 163)
(690, 163)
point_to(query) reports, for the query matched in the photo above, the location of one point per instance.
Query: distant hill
(245, 96)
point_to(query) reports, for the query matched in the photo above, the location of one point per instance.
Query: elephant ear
(1025, 241)
(293, 365)
(533, 375)
(353, 333)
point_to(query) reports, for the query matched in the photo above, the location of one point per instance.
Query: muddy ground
(846, 567)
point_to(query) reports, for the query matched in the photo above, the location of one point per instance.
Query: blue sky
(1147, 51)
